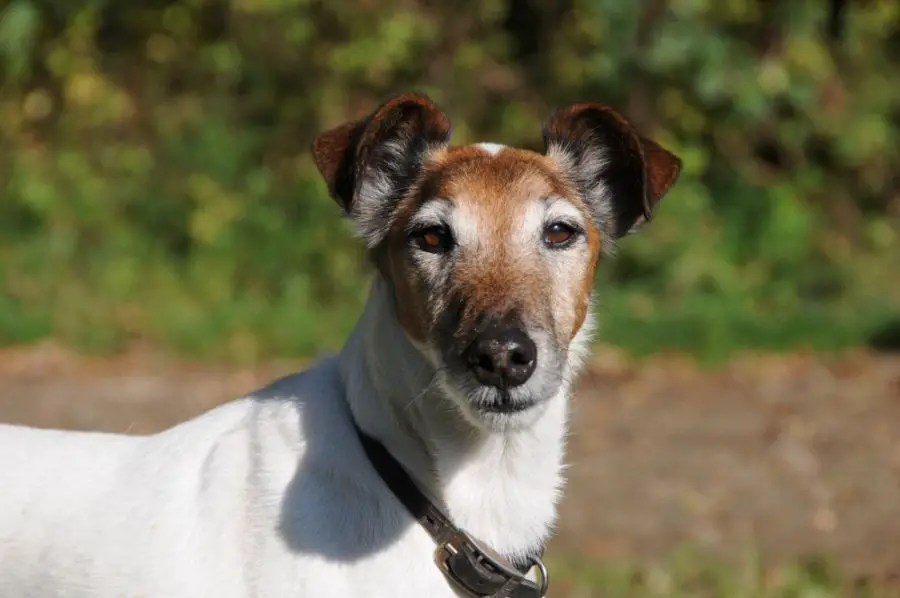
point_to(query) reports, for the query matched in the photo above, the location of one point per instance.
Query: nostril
(519, 356)
(485, 362)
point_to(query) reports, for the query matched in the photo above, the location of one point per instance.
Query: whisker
(425, 389)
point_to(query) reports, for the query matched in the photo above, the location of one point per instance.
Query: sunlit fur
(272, 495)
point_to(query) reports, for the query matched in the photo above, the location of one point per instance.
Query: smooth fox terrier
(426, 458)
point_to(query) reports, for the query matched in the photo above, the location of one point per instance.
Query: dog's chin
(500, 422)
(498, 411)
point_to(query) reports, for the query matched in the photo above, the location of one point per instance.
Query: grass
(690, 575)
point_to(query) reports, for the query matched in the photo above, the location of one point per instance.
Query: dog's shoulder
(299, 418)
(292, 448)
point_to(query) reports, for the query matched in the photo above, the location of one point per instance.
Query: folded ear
(369, 164)
(621, 174)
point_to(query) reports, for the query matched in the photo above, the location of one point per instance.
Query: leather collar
(470, 566)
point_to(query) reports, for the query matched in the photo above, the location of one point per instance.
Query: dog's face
(491, 251)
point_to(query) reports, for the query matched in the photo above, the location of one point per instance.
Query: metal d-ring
(544, 574)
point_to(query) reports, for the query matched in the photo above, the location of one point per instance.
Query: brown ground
(792, 455)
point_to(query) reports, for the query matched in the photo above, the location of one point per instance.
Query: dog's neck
(500, 487)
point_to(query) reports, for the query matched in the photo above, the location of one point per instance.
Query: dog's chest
(401, 566)
(507, 503)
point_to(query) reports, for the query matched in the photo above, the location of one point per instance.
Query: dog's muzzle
(502, 357)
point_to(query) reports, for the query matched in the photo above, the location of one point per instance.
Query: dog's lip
(505, 405)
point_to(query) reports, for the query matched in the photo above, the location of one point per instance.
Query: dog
(426, 457)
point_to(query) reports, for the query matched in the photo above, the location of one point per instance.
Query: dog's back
(93, 514)
(80, 511)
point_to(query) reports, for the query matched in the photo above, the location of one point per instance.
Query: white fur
(271, 495)
(559, 208)
(375, 190)
(491, 148)
(369, 225)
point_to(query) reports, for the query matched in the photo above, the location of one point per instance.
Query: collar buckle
(480, 571)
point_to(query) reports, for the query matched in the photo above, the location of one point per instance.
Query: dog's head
(490, 250)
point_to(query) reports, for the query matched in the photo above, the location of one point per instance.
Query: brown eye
(559, 234)
(434, 239)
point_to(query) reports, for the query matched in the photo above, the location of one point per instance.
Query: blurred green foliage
(158, 185)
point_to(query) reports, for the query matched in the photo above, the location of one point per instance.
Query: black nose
(503, 357)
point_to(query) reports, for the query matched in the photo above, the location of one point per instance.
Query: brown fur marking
(495, 280)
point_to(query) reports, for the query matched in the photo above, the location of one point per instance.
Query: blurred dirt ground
(789, 455)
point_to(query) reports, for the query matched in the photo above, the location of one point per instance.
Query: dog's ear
(370, 163)
(619, 172)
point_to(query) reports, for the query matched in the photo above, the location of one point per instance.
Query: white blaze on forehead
(491, 148)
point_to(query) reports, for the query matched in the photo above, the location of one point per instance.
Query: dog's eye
(433, 239)
(559, 234)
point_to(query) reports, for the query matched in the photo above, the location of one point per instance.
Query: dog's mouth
(485, 401)
(504, 403)
(501, 401)
(496, 409)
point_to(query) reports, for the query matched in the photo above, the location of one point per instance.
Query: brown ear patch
(662, 169)
(606, 156)
(333, 154)
(385, 149)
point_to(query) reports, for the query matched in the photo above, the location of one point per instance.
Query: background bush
(158, 185)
